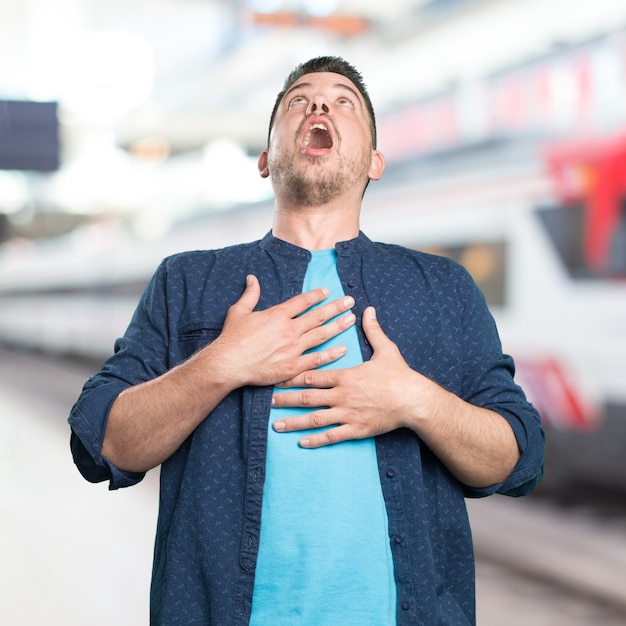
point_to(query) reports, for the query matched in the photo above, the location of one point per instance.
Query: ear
(377, 165)
(262, 165)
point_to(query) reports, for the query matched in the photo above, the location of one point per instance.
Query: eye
(297, 100)
(345, 101)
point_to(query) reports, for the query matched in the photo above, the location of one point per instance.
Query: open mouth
(317, 137)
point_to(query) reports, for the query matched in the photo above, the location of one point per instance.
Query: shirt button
(345, 245)
(398, 539)
(391, 473)
(406, 606)
(352, 283)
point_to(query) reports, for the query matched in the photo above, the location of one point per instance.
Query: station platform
(77, 554)
(72, 553)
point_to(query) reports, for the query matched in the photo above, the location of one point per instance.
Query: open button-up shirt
(212, 486)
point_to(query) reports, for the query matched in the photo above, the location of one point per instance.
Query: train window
(564, 226)
(122, 289)
(487, 264)
(589, 245)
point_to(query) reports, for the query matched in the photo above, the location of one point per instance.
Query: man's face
(321, 140)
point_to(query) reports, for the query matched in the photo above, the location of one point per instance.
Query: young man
(320, 404)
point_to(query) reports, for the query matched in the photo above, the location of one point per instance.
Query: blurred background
(131, 130)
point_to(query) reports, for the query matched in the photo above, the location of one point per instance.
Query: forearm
(148, 422)
(477, 445)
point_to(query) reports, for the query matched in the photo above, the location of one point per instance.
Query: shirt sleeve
(488, 382)
(140, 355)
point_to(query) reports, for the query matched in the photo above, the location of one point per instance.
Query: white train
(543, 233)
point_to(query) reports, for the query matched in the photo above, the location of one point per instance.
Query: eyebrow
(336, 85)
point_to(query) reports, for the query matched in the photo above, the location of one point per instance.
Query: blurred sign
(345, 25)
(29, 136)
(578, 91)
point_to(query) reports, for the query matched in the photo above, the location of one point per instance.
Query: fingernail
(349, 319)
(279, 426)
(304, 442)
(348, 302)
(371, 313)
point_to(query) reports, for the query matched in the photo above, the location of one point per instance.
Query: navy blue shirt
(212, 486)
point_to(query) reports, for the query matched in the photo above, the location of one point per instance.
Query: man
(320, 404)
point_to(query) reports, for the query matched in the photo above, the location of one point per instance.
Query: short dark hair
(336, 65)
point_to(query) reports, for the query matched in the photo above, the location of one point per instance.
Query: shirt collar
(352, 246)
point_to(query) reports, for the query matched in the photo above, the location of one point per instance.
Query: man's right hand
(149, 421)
(270, 346)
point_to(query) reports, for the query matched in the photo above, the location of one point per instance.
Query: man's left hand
(362, 401)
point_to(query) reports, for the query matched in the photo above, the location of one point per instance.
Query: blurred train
(542, 228)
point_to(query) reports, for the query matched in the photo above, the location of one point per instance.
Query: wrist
(428, 404)
(214, 363)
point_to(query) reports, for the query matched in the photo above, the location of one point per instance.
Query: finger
(320, 334)
(303, 398)
(310, 421)
(329, 437)
(299, 304)
(322, 314)
(313, 360)
(319, 379)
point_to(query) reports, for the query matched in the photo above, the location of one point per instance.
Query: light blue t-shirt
(324, 555)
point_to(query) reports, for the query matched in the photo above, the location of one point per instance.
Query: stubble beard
(305, 189)
(309, 182)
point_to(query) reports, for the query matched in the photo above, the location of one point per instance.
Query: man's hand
(149, 421)
(267, 347)
(363, 401)
(476, 444)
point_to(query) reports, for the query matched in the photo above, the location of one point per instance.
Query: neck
(315, 228)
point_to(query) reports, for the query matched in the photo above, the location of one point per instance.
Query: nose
(317, 105)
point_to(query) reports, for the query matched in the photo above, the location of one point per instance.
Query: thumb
(251, 294)
(372, 329)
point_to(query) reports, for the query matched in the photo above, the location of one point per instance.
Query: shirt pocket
(194, 337)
